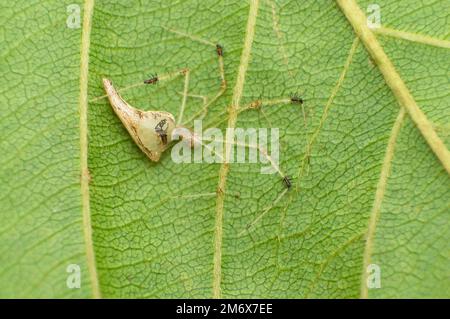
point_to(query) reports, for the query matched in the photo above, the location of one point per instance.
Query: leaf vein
(224, 168)
(83, 108)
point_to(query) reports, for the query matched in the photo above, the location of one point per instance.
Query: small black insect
(287, 181)
(152, 80)
(161, 131)
(219, 50)
(296, 99)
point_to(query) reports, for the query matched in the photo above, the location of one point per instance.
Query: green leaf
(368, 156)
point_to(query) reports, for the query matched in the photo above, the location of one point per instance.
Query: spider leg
(223, 83)
(204, 99)
(153, 79)
(256, 105)
(260, 149)
(285, 178)
(206, 105)
(185, 95)
(264, 212)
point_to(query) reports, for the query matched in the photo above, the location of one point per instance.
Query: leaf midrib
(84, 178)
(224, 168)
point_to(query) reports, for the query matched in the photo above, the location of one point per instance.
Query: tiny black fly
(287, 181)
(296, 99)
(219, 50)
(161, 131)
(152, 80)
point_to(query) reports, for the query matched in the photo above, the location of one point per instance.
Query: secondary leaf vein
(224, 168)
(379, 195)
(414, 37)
(358, 21)
(83, 107)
